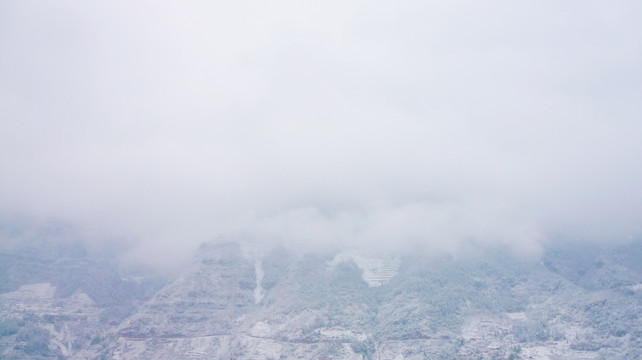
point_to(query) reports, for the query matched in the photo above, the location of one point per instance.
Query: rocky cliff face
(59, 302)
(232, 303)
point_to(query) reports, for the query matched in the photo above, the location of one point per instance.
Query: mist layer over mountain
(358, 123)
(61, 300)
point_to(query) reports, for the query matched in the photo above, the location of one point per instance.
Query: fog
(367, 124)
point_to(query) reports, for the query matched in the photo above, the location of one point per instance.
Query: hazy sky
(366, 122)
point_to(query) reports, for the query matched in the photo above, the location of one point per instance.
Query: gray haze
(392, 124)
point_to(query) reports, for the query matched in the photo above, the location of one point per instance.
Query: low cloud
(353, 122)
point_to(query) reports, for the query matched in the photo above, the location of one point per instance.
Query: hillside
(575, 302)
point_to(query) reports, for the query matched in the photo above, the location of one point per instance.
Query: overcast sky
(320, 122)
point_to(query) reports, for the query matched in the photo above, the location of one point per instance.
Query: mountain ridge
(567, 304)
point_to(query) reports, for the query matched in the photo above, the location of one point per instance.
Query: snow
(261, 329)
(258, 290)
(636, 287)
(336, 333)
(253, 253)
(32, 297)
(32, 292)
(376, 271)
(517, 316)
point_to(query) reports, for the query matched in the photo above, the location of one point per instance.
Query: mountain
(232, 301)
(57, 299)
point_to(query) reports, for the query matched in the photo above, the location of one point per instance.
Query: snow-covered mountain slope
(228, 303)
(377, 271)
